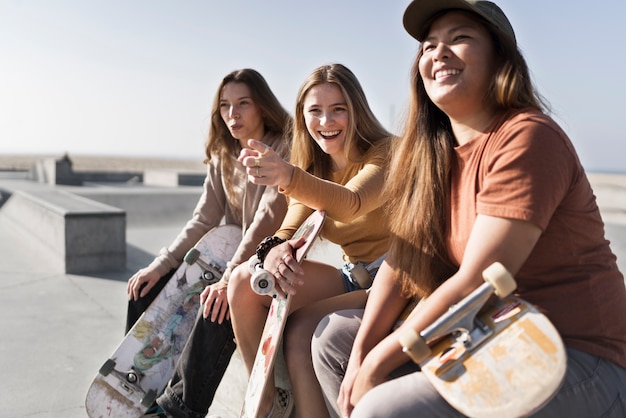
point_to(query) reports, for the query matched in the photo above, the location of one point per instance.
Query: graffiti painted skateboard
(262, 282)
(500, 360)
(136, 373)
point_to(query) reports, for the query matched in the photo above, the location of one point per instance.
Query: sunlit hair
(418, 183)
(222, 144)
(363, 129)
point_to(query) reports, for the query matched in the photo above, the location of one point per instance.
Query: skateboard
(263, 283)
(504, 359)
(128, 383)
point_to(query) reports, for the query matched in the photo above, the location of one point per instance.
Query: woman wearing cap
(497, 180)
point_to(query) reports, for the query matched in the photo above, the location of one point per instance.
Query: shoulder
(531, 120)
(532, 144)
(531, 129)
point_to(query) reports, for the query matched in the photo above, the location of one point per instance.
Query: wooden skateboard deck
(275, 324)
(507, 360)
(138, 370)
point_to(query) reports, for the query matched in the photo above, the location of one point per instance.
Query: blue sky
(137, 77)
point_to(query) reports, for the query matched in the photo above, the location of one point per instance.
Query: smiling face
(240, 114)
(326, 117)
(457, 63)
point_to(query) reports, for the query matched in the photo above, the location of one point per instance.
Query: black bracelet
(266, 245)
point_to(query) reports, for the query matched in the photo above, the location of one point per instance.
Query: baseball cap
(419, 12)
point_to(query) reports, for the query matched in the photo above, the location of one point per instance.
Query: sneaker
(283, 404)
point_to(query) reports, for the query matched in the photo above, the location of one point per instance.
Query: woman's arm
(384, 305)
(207, 214)
(353, 192)
(344, 198)
(492, 239)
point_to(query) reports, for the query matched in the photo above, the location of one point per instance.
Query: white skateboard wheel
(414, 346)
(500, 279)
(262, 282)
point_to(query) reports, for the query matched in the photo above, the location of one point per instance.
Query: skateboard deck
(276, 320)
(506, 360)
(138, 370)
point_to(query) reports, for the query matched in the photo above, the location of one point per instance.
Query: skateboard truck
(461, 321)
(129, 381)
(212, 272)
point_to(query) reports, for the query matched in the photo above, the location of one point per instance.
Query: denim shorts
(349, 280)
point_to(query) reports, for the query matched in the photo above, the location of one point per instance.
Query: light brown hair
(364, 130)
(222, 144)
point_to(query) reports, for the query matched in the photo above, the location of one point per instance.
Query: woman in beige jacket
(244, 108)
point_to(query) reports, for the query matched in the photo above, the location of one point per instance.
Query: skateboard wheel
(192, 256)
(262, 282)
(149, 398)
(107, 367)
(209, 277)
(500, 279)
(414, 346)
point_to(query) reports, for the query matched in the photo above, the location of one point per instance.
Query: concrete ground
(57, 329)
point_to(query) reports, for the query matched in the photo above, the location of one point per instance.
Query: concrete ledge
(147, 206)
(60, 172)
(51, 171)
(172, 178)
(82, 235)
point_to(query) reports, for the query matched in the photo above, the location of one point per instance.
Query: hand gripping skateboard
(263, 283)
(137, 372)
(507, 360)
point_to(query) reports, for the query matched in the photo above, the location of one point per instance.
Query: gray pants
(593, 387)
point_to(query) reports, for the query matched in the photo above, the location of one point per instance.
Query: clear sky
(136, 77)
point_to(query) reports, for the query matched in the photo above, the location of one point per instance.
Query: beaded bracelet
(266, 245)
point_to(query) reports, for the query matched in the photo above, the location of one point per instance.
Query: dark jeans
(138, 307)
(199, 369)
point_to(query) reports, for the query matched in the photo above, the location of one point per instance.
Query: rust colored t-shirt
(526, 168)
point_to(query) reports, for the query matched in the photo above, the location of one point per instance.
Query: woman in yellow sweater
(338, 161)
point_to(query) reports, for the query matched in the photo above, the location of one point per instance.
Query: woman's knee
(239, 290)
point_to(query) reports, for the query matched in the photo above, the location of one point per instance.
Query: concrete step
(82, 235)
